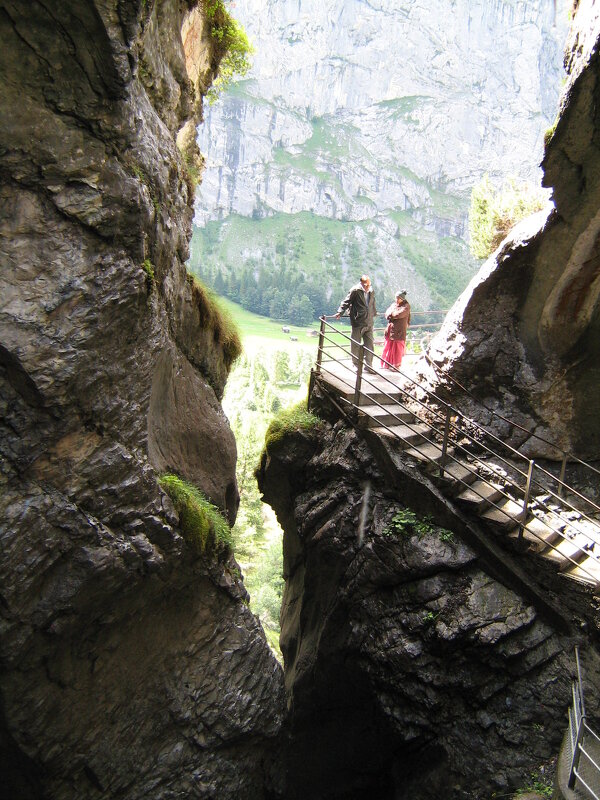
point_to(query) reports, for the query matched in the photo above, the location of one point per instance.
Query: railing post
(320, 348)
(445, 441)
(525, 502)
(359, 371)
(579, 681)
(311, 386)
(579, 715)
(561, 478)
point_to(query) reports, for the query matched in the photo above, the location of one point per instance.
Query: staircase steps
(480, 495)
(587, 571)
(561, 550)
(565, 538)
(427, 452)
(382, 396)
(405, 435)
(455, 477)
(503, 514)
(372, 416)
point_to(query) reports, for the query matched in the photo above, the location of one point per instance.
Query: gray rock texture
(377, 119)
(128, 666)
(419, 664)
(525, 335)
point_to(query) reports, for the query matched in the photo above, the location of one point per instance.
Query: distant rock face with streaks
(381, 116)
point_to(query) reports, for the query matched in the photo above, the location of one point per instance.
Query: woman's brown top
(399, 317)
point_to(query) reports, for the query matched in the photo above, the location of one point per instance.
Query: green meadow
(257, 331)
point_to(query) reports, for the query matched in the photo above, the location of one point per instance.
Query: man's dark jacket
(361, 313)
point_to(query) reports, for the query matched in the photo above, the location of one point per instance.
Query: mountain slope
(380, 117)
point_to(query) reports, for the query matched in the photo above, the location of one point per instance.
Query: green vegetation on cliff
(201, 523)
(493, 213)
(217, 317)
(288, 420)
(230, 44)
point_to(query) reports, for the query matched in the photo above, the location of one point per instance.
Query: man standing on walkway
(360, 301)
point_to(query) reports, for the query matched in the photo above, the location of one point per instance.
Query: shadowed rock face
(414, 667)
(525, 336)
(128, 666)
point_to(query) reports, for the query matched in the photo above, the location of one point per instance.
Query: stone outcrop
(419, 664)
(129, 666)
(525, 335)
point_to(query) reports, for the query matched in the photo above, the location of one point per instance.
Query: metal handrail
(427, 329)
(491, 503)
(520, 519)
(456, 412)
(577, 731)
(530, 482)
(566, 456)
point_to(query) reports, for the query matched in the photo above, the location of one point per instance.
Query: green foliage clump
(289, 420)
(492, 214)
(230, 45)
(406, 523)
(539, 784)
(549, 132)
(202, 525)
(218, 319)
(148, 268)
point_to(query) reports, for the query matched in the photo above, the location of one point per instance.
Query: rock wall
(418, 664)
(128, 665)
(525, 336)
(403, 98)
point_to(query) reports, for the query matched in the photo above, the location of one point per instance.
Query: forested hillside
(297, 267)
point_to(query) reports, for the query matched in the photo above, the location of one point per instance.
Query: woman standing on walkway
(398, 316)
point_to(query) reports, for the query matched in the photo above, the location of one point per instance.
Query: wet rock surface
(412, 669)
(128, 666)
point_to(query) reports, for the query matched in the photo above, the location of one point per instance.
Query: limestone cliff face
(418, 665)
(128, 666)
(373, 121)
(525, 336)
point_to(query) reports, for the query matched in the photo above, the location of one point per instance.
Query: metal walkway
(510, 493)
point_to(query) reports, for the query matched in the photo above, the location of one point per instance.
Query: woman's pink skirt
(392, 352)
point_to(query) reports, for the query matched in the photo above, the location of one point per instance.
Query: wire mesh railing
(584, 743)
(514, 478)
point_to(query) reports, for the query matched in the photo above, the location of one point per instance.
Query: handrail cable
(571, 489)
(443, 402)
(458, 413)
(479, 427)
(577, 730)
(572, 456)
(505, 495)
(434, 412)
(540, 538)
